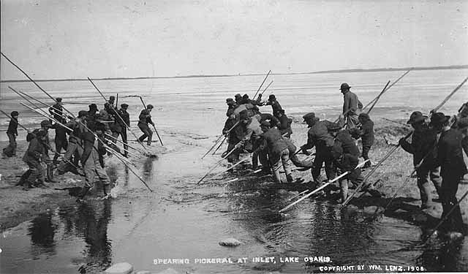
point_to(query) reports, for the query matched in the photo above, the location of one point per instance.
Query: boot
(289, 178)
(82, 194)
(50, 174)
(23, 178)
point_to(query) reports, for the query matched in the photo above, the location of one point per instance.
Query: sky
(63, 39)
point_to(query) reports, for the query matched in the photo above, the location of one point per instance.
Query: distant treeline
(236, 75)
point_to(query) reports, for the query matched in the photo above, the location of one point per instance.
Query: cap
(124, 106)
(14, 113)
(92, 106)
(344, 86)
(58, 99)
(229, 101)
(112, 98)
(82, 113)
(46, 123)
(271, 97)
(309, 116)
(416, 117)
(150, 106)
(438, 118)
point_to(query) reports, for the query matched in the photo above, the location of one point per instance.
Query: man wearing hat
(45, 126)
(12, 132)
(351, 106)
(453, 168)
(284, 123)
(319, 137)
(33, 157)
(231, 106)
(423, 148)
(275, 105)
(143, 120)
(122, 123)
(57, 110)
(238, 99)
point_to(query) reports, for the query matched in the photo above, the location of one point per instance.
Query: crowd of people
(437, 145)
(91, 135)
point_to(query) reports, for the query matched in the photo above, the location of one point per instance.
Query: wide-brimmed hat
(438, 118)
(344, 86)
(416, 117)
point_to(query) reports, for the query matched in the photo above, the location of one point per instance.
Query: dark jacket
(450, 154)
(367, 133)
(268, 117)
(35, 151)
(57, 111)
(145, 117)
(347, 143)
(88, 148)
(13, 127)
(285, 125)
(319, 136)
(350, 104)
(275, 106)
(274, 142)
(423, 143)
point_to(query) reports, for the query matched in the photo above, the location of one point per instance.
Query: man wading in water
(144, 120)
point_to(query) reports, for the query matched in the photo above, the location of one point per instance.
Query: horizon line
(237, 75)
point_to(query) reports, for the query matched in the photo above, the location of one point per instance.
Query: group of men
(437, 146)
(91, 135)
(267, 137)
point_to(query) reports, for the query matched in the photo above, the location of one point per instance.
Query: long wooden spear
(322, 187)
(218, 163)
(219, 138)
(253, 98)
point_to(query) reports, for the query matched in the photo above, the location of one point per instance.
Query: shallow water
(183, 220)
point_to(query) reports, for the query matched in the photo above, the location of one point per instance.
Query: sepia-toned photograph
(233, 136)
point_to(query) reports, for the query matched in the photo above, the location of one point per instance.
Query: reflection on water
(42, 232)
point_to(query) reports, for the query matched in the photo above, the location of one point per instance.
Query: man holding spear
(422, 147)
(450, 159)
